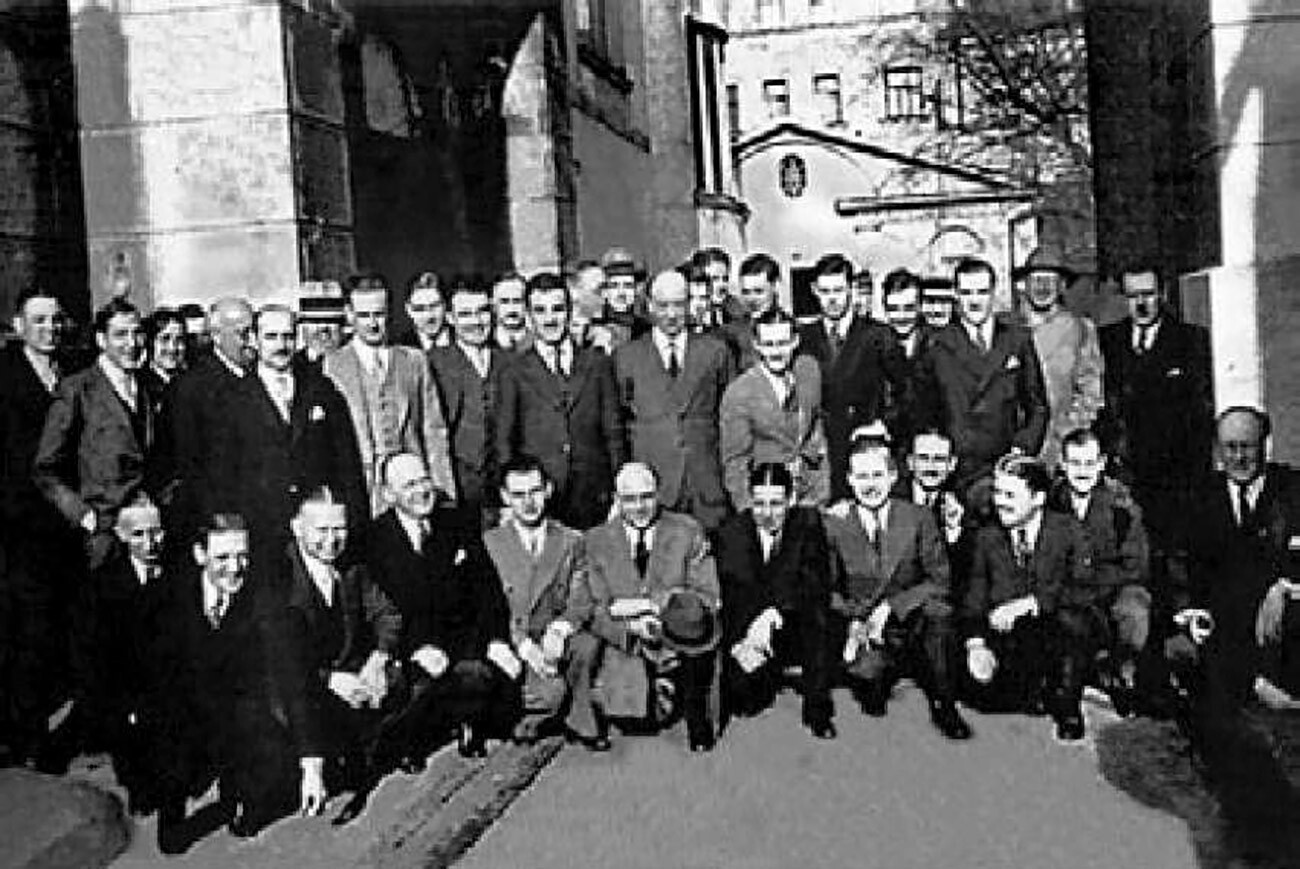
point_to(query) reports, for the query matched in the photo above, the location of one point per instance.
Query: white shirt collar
(322, 575)
(122, 382)
(631, 534)
(881, 516)
(479, 357)
(210, 596)
(234, 369)
(561, 353)
(840, 327)
(1032, 528)
(662, 342)
(781, 385)
(531, 537)
(274, 379)
(1150, 334)
(370, 356)
(767, 540)
(1080, 503)
(919, 493)
(1253, 491)
(43, 366)
(141, 571)
(983, 330)
(411, 526)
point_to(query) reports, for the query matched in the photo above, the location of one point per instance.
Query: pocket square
(1013, 362)
(1174, 372)
(316, 414)
(461, 555)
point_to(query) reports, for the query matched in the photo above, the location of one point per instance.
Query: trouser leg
(582, 662)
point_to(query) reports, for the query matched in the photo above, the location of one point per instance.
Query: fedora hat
(1047, 257)
(688, 623)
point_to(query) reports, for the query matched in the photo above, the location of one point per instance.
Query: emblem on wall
(792, 174)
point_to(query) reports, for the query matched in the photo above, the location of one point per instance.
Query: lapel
(265, 407)
(548, 563)
(300, 408)
(579, 373)
(106, 398)
(993, 361)
(900, 529)
(658, 564)
(543, 379)
(859, 534)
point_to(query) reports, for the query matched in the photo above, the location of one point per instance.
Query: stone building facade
(857, 134)
(244, 146)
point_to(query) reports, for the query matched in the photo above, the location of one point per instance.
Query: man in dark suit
(901, 291)
(1021, 570)
(512, 331)
(861, 364)
(1241, 609)
(559, 403)
(716, 264)
(215, 713)
(539, 562)
(455, 640)
(891, 585)
(94, 452)
(199, 405)
(336, 635)
(34, 539)
(1159, 405)
(285, 433)
(980, 381)
(468, 375)
(639, 564)
(426, 307)
(774, 575)
(1107, 622)
(671, 385)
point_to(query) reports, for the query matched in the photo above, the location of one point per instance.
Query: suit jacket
(195, 411)
(856, 384)
(679, 558)
(987, 403)
(310, 640)
(573, 426)
(270, 463)
(1117, 539)
(92, 455)
(1072, 374)
(673, 424)
(470, 408)
(1159, 404)
(1060, 560)
(537, 591)
(421, 426)
(795, 580)
(1231, 568)
(755, 429)
(448, 595)
(910, 568)
(119, 621)
(903, 405)
(24, 402)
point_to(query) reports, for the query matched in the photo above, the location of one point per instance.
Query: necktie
(871, 524)
(534, 545)
(130, 393)
(422, 534)
(833, 339)
(674, 365)
(791, 403)
(283, 394)
(1022, 547)
(218, 610)
(1245, 513)
(1142, 340)
(980, 344)
(641, 554)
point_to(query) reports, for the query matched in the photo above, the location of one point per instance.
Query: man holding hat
(653, 590)
(1067, 348)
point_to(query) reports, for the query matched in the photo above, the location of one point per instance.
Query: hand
(1003, 618)
(499, 653)
(749, 657)
(311, 788)
(374, 676)
(631, 607)
(554, 640)
(840, 509)
(534, 657)
(853, 644)
(760, 630)
(875, 627)
(1199, 623)
(980, 661)
(88, 522)
(647, 627)
(432, 659)
(1268, 620)
(953, 511)
(349, 688)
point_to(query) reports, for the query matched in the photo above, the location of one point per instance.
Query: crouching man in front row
(1020, 570)
(891, 584)
(654, 595)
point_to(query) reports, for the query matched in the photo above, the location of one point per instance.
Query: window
(776, 96)
(733, 110)
(904, 93)
(705, 66)
(600, 29)
(826, 90)
(770, 12)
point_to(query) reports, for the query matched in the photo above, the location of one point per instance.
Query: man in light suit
(539, 562)
(559, 403)
(671, 385)
(861, 364)
(285, 433)
(94, 452)
(980, 381)
(468, 374)
(391, 393)
(773, 413)
(638, 564)
(891, 585)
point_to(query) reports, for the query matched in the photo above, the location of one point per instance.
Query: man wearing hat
(624, 306)
(891, 581)
(653, 591)
(1067, 348)
(937, 302)
(320, 323)
(774, 571)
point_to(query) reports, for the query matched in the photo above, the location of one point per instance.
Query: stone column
(212, 155)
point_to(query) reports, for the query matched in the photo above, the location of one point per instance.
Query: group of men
(293, 562)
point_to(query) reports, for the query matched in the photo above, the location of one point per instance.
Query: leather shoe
(1069, 728)
(173, 833)
(597, 744)
(470, 743)
(245, 824)
(874, 699)
(822, 729)
(412, 765)
(699, 736)
(949, 721)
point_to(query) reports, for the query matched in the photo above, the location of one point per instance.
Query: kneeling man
(891, 583)
(774, 572)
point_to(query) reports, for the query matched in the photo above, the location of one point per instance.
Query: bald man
(670, 385)
(636, 561)
(197, 412)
